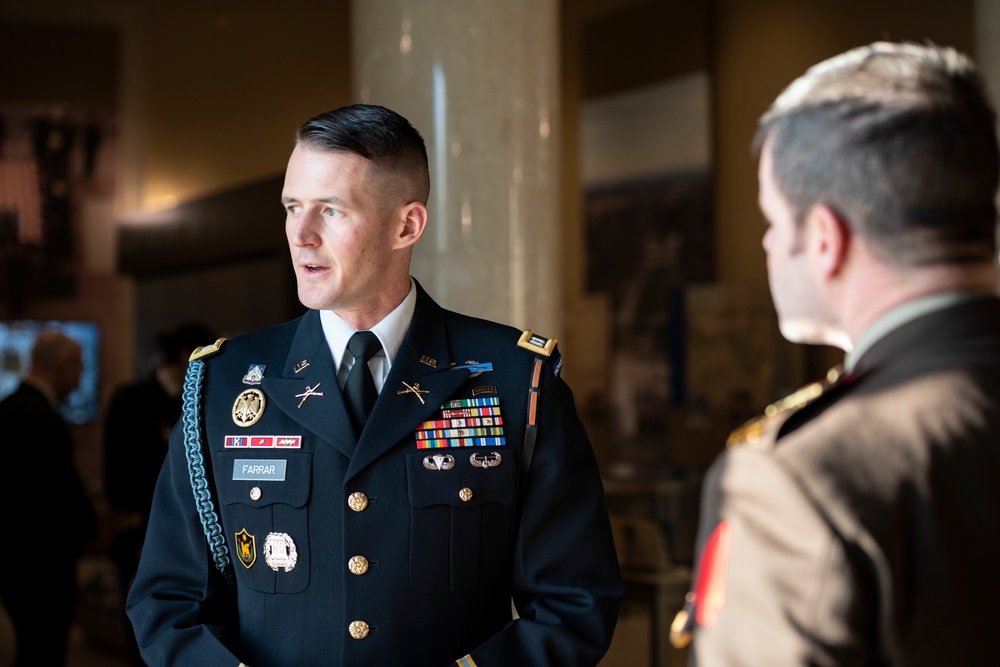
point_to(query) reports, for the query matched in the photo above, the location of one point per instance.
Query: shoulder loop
(538, 344)
(206, 350)
(191, 428)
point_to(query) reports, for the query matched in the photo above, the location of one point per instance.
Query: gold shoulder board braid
(206, 350)
(753, 430)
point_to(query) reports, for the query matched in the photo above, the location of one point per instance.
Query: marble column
(479, 79)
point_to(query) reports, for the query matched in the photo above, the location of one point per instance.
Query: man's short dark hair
(394, 147)
(899, 140)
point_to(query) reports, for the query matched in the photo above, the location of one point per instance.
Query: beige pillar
(479, 79)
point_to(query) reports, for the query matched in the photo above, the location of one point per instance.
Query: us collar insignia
(254, 374)
(299, 367)
(424, 359)
(248, 407)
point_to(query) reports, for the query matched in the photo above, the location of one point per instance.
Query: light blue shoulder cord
(191, 418)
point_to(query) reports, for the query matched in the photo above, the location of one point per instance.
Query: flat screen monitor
(16, 341)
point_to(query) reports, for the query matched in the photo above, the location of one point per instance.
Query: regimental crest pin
(254, 374)
(246, 550)
(248, 407)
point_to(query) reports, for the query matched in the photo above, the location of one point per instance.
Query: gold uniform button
(255, 493)
(357, 501)
(465, 494)
(358, 565)
(358, 629)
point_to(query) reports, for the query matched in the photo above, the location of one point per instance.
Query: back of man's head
(56, 360)
(900, 141)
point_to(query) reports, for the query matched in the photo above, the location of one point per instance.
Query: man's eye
(333, 212)
(293, 209)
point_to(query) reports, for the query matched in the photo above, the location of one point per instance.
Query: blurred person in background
(137, 429)
(48, 518)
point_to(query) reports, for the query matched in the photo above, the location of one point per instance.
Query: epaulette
(753, 430)
(206, 350)
(537, 344)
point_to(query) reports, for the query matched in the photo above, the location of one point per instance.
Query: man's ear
(829, 240)
(412, 219)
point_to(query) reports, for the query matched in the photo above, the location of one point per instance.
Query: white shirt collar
(390, 332)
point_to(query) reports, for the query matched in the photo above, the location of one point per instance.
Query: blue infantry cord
(191, 419)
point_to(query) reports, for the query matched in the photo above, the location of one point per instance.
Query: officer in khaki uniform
(286, 533)
(855, 523)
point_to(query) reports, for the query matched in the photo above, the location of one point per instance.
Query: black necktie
(359, 390)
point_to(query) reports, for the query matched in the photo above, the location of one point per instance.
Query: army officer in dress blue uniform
(288, 531)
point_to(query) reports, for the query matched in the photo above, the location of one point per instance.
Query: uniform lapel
(311, 395)
(423, 358)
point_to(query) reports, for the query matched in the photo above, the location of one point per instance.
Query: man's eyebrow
(329, 199)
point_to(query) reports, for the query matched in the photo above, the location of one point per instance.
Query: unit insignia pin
(300, 366)
(491, 460)
(439, 462)
(415, 390)
(485, 389)
(254, 374)
(245, 549)
(280, 551)
(248, 407)
(310, 391)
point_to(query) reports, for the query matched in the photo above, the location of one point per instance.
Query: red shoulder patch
(710, 587)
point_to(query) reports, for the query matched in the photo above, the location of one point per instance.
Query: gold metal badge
(248, 407)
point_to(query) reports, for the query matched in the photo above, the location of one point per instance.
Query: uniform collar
(900, 315)
(390, 331)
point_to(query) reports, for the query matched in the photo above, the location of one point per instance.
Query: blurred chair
(645, 563)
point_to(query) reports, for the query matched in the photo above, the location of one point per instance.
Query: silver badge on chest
(280, 552)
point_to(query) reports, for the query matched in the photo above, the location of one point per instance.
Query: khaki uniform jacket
(863, 529)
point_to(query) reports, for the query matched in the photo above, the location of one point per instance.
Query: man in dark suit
(855, 524)
(463, 522)
(137, 427)
(49, 517)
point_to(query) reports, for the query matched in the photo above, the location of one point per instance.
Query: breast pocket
(462, 503)
(265, 499)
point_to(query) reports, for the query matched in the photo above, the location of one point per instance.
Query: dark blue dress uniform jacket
(442, 567)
